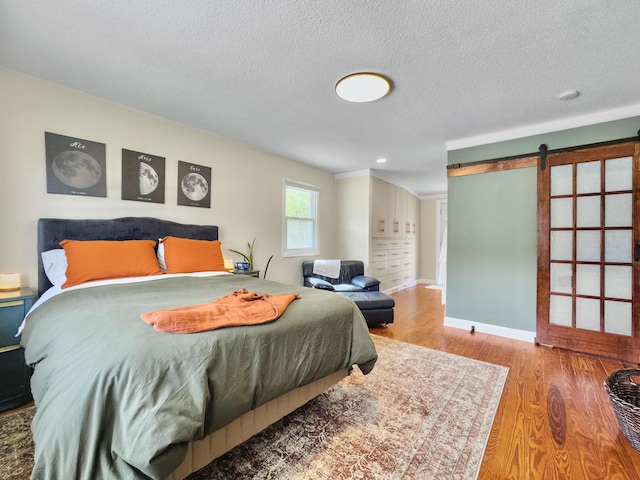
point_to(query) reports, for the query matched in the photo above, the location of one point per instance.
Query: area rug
(421, 414)
(16, 446)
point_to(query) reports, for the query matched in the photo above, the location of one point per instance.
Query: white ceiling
(263, 71)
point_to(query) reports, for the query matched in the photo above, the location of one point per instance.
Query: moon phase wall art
(194, 185)
(142, 177)
(75, 166)
(78, 167)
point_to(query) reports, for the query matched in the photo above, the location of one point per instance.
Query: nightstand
(14, 372)
(251, 273)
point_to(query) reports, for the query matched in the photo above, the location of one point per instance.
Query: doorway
(441, 247)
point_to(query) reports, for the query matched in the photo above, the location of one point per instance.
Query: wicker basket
(624, 394)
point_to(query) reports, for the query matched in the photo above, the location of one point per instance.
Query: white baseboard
(506, 332)
(419, 281)
(400, 287)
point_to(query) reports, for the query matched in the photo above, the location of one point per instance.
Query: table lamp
(9, 282)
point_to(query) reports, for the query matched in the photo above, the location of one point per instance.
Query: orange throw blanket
(238, 308)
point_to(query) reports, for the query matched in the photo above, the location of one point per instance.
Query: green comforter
(116, 399)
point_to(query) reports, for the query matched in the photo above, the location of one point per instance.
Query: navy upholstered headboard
(51, 231)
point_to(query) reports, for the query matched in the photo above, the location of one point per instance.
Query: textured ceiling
(263, 71)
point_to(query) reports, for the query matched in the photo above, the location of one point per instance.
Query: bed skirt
(204, 451)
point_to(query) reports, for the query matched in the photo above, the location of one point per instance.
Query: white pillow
(160, 255)
(55, 265)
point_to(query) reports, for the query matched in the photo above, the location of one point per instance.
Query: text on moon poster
(142, 177)
(75, 166)
(194, 185)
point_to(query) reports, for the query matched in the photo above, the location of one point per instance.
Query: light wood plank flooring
(554, 420)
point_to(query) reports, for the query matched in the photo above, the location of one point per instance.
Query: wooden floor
(554, 420)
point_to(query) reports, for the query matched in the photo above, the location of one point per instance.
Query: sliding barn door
(589, 251)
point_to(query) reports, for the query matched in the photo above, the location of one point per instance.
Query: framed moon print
(75, 166)
(194, 185)
(142, 177)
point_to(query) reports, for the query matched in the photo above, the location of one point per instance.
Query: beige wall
(352, 217)
(246, 199)
(428, 241)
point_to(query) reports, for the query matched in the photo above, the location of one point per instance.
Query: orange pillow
(101, 259)
(185, 255)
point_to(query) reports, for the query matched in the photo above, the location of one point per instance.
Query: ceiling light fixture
(569, 95)
(363, 87)
(381, 160)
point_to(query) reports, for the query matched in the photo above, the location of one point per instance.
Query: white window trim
(300, 252)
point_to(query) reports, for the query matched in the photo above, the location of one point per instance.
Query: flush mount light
(569, 95)
(381, 160)
(363, 87)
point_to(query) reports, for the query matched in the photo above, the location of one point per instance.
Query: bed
(116, 398)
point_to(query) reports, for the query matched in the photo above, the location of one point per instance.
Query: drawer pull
(12, 304)
(10, 348)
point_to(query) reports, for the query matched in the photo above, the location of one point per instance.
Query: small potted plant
(248, 257)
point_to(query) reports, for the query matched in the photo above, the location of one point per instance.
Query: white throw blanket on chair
(327, 268)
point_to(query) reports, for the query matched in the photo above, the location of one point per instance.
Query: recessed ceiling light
(381, 160)
(569, 95)
(363, 87)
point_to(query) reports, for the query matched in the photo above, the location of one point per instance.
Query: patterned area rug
(421, 414)
(16, 447)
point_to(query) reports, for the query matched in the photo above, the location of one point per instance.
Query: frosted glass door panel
(588, 177)
(562, 180)
(560, 310)
(617, 246)
(588, 212)
(588, 246)
(588, 314)
(617, 282)
(588, 227)
(562, 213)
(617, 210)
(561, 247)
(561, 277)
(588, 280)
(618, 174)
(617, 317)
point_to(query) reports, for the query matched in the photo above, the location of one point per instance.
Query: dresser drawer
(379, 255)
(394, 266)
(11, 315)
(396, 253)
(378, 269)
(394, 279)
(407, 277)
(407, 265)
(379, 244)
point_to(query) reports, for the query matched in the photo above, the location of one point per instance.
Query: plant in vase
(248, 257)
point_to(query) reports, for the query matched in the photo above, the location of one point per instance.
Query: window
(300, 225)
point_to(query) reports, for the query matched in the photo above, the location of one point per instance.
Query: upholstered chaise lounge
(349, 280)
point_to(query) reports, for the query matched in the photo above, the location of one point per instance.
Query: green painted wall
(600, 132)
(492, 247)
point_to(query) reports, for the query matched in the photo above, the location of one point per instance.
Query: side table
(251, 273)
(14, 372)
